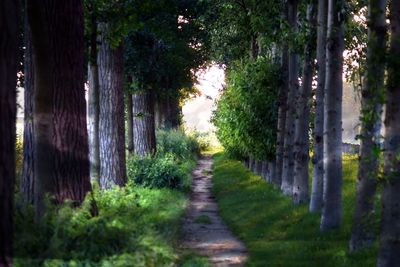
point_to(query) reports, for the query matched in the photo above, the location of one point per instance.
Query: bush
(246, 114)
(177, 143)
(156, 172)
(135, 227)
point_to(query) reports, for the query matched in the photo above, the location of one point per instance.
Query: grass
(276, 232)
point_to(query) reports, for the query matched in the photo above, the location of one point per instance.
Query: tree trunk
(9, 30)
(282, 110)
(271, 170)
(158, 112)
(112, 134)
(318, 146)
(288, 155)
(93, 105)
(301, 148)
(61, 141)
(362, 232)
(390, 231)
(332, 209)
(129, 114)
(251, 162)
(173, 119)
(27, 180)
(143, 123)
(264, 170)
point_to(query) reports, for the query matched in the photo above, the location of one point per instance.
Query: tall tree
(282, 109)
(27, 180)
(390, 231)
(9, 29)
(61, 142)
(332, 194)
(288, 155)
(93, 95)
(111, 120)
(318, 145)
(302, 122)
(143, 123)
(371, 109)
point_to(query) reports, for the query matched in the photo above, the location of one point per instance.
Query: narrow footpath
(204, 232)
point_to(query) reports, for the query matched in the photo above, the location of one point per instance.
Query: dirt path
(204, 232)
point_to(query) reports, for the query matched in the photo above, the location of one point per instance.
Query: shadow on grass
(276, 232)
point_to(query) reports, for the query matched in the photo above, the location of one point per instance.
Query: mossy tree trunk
(282, 109)
(302, 122)
(371, 110)
(288, 153)
(332, 194)
(318, 146)
(390, 231)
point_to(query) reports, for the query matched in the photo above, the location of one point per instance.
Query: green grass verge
(276, 232)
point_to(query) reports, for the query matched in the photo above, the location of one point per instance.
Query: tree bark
(318, 146)
(27, 180)
(173, 119)
(93, 104)
(390, 226)
(61, 141)
(332, 209)
(282, 110)
(372, 93)
(143, 123)
(302, 122)
(271, 170)
(158, 112)
(111, 120)
(9, 30)
(288, 154)
(265, 171)
(129, 114)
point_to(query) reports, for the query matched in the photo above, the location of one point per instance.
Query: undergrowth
(137, 225)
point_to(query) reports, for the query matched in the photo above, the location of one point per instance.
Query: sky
(197, 111)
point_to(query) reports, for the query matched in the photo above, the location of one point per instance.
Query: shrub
(177, 143)
(156, 172)
(246, 113)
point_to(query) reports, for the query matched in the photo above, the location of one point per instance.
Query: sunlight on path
(204, 231)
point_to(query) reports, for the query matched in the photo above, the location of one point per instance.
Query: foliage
(246, 114)
(175, 142)
(164, 54)
(234, 24)
(19, 154)
(135, 227)
(275, 232)
(176, 154)
(155, 172)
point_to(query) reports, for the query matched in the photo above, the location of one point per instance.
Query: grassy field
(276, 232)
